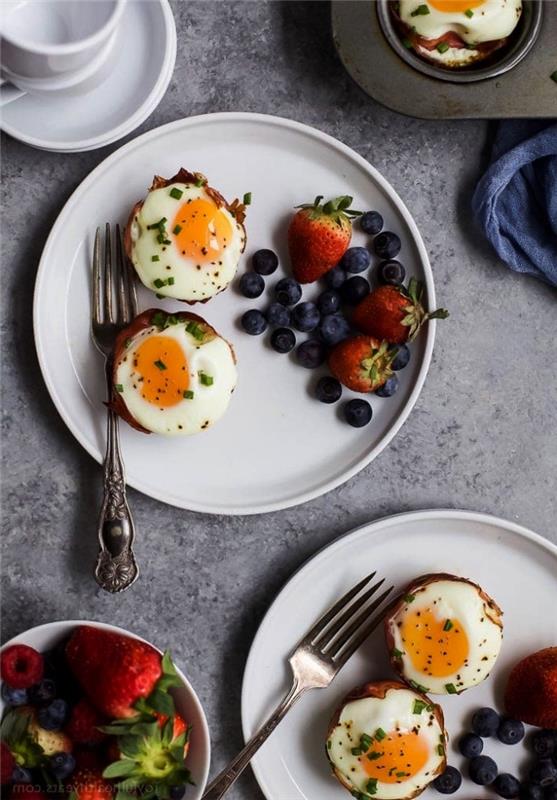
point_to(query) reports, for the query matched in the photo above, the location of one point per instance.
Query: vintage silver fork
(315, 661)
(116, 568)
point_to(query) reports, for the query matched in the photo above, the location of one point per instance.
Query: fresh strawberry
(362, 363)
(89, 784)
(83, 725)
(86, 758)
(318, 237)
(21, 666)
(7, 763)
(115, 671)
(394, 313)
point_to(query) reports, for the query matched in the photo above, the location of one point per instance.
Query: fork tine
(97, 280)
(108, 317)
(341, 656)
(129, 278)
(124, 313)
(325, 640)
(329, 615)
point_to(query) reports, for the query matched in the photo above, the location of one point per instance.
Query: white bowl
(46, 637)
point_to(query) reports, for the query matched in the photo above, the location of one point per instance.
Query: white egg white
(488, 22)
(456, 601)
(396, 711)
(213, 358)
(189, 280)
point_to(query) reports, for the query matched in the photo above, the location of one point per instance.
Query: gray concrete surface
(482, 435)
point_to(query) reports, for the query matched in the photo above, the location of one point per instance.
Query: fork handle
(116, 568)
(222, 783)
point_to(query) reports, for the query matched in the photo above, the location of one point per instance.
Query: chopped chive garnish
(356, 751)
(127, 342)
(329, 744)
(448, 625)
(159, 296)
(171, 320)
(195, 330)
(247, 198)
(451, 688)
(160, 238)
(407, 43)
(418, 687)
(176, 193)
(440, 749)
(199, 182)
(419, 706)
(158, 283)
(160, 224)
(176, 229)
(118, 387)
(188, 394)
(409, 598)
(170, 281)
(380, 734)
(155, 258)
(469, 13)
(160, 364)
(396, 653)
(371, 786)
(421, 11)
(166, 241)
(442, 47)
(553, 76)
(374, 755)
(365, 741)
(159, 319)
(206, 380)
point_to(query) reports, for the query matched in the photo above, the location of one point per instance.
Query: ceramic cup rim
(69, 48)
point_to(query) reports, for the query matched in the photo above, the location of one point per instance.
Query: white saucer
(141, 67)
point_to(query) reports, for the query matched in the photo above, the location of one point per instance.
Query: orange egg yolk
(455, 6)
(436, 647)
(203, 230)
(396, 758)
(163, 371)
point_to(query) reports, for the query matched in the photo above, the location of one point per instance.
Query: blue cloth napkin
(515, 202)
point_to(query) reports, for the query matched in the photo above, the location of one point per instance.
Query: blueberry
(306, 316)
(543, 773)
(470, 745)
(328, 302)
(62, 765)
(506, 785)
(334, 328)
(354, 290)
(356, 259)
(387, 245)
(358, 413)
(544, 743)
(449, 781)
(43, 692)
(253, 322)
(288, 291)
(265, 262)
(389, 387)
(251, 284)
(177, 791)
(510, 731)
(283, 340)
(528, 791)
(311, 353)
(328, 389)
(53, 716)
(391, 272)
(402, 357)
(14, 697)
(277, 314)
(22, 775)
(485, 722)
(371, 222)
(335, 277)
(482, 770)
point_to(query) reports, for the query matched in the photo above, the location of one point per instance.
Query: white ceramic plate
(46, 637)
(515, 566)
(125, 92)
(277, 446)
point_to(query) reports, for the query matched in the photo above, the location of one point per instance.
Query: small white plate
(132, 84)
(46, 637)
(277, 445)
(515, 566)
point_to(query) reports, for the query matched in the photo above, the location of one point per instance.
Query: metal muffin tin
(517, 84)
(522, 41)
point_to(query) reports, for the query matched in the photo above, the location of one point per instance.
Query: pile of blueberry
(541, 779)
(325, 320)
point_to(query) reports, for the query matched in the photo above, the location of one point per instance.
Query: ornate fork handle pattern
(229, 775)
(116, 568)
